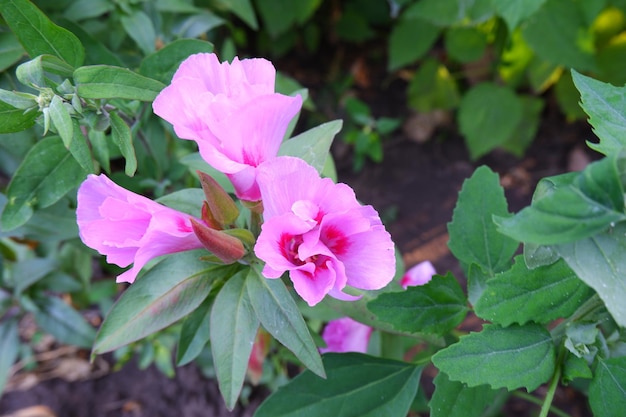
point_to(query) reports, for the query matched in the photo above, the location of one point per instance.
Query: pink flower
(346, 335)
(419, 274)
(232, 113)
(129, 228)
(319, 232)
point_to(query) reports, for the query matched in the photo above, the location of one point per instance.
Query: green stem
(531, 399)
(554, 382)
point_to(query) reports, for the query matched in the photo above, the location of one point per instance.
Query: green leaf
(86, 9)
(488, 117)
(187, 200)
(465, 44)
(357, 385)
(606, 106)
(436, 307)
(195, 333)
(433, 87)
(313, 145)
(454, 399)
(140, 28)
(95, 51)
(38, 35)
(473, 235)
(244, 10)
(80, 149)
(169, 291)
(32, 73)
(47, 173)
(409, 41)
(234, 325)
(61, 120)
(514, 12)
(556, 32)
(527, 128)
(106, 81)
(599, 261)
(9, 346)
(279, 315)
(15, 120)
(195, 163)
(511, 357)
(442, 13)
(100, 148)
(18, 99)
(162, 64)
(63, 322)
(570, 207)
(543, 294)
(198, 24)
(10, 52)
(607, 392)
(123, 138)
(31, 271)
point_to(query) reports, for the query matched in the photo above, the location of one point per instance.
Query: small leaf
(38, 35)
(279, 315)
(514, 12)
(140, 28)
(439, 12)
(162, 64)
(606, 106)
(313, 145)
(9, 346)
(357, 385)
(511, 357)
(15, 120)
(47, 173)
(79, 148)
(64, 323)
(195, 333)
(409, 41)
(465, 44)
(123, 138)
(488, 117)
(169, 291)
(599, 261)
(18, 99)
(454, 399)
(244, 10)
(436, 307)
(61, 120)
(106, 81)
(234, 325)
(543, 294)
(433, 87)
(607, 392)
(473, 235)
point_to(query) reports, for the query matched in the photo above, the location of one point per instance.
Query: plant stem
(554, 382)
(590, 306)
(531, 399)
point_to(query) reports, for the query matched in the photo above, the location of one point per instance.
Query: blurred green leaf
(511, 357)
(47, 173)
(106, 81)
(9, 346)
(409, 41)
(169, 291)
(86, 9)
(234, 325)
(515, 12)
(162, 64)
(30, 271)
(64, 323)
(195, 163)
(526, 130)
(356, 385)
(436, 307)
(465, 44)
(38, 35)
(15, 120)
(123, 138)
(279, 315)
(10, 52)
(313, 145)
(141, 29)
(432, 87)
(598, 261)
(195, 333)
(541, 295)
(187, 200)
(606, 392)
(244, 10)
(95, 51)
(198, 24)
(488, 117)
(439, 12)
(455, 399)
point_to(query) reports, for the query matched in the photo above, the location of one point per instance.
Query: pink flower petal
(346, 335)
(419, 274)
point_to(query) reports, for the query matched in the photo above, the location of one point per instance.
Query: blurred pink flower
(419, 274)
(346, 335)
(232, 113)
(318, 231)
(129, 228)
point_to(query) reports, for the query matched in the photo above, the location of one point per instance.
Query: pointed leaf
(195, 333)
(409, 41)
(455, 399)
(64, 323)
(599, 261)
(47, 173)
(511, 357)
(436, 307)
(313, 145)
(9, 346)
(80, 149)
(140, 28)
(106, 81)
(606, 106)
(234, 325)
(543, 294)
(514, 12)
(279, 315)
(607, 392)
(10, 52)
(162, 64)
(169, 291)
(61, 120)
(473, 235)
(15, 120)
(39, 35)
(123, 138)
(357, 385)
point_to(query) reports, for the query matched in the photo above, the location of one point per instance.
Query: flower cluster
(312, 228)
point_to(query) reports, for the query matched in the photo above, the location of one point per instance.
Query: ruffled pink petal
(419, 274)
(273, 243)
(313, 286)
(346, 335)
